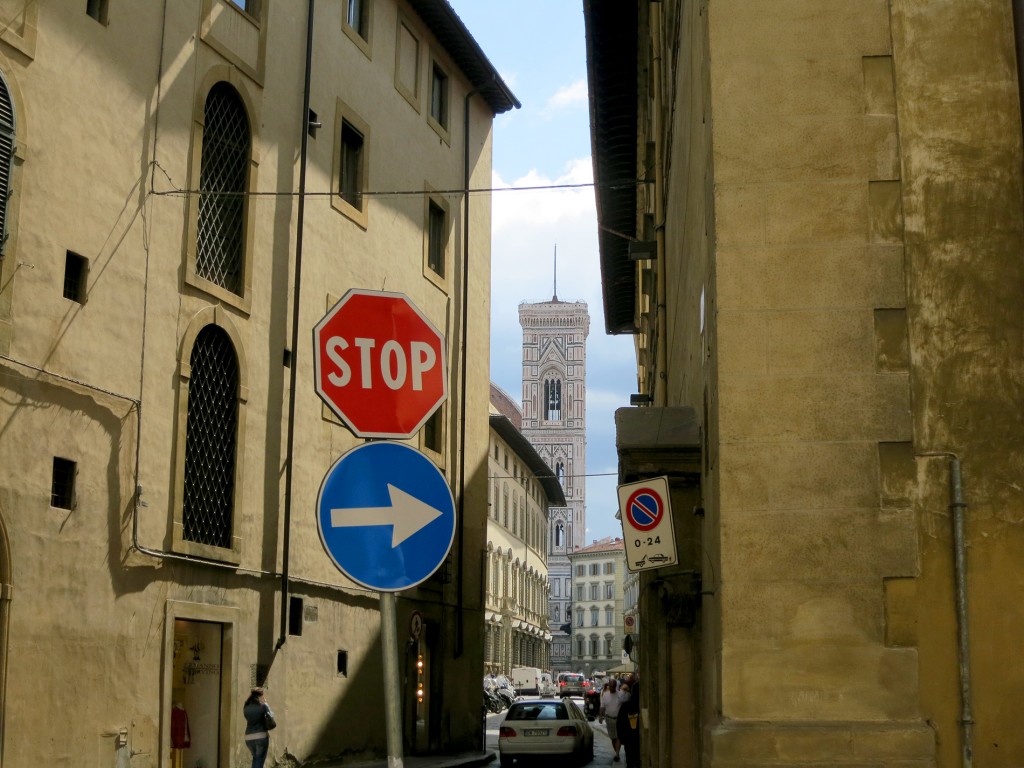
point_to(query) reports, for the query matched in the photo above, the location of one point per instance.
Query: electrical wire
(625, 184)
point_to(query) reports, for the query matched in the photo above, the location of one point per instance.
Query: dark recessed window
(342, 663)
(437, 225)
(62, 488)
(75, 270)
(358, 17)
(295, 616)
(439, 96)
(432, 432)
(97, 9)
(351, 165)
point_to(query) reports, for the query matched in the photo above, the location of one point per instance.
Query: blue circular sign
(386, 516)
(645, 509)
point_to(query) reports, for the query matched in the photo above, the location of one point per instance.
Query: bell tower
(554, 421)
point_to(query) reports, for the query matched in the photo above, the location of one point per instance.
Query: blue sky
(547, 142)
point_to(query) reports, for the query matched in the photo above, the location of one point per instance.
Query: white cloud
(567, 96)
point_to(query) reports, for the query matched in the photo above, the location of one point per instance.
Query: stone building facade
(554, 421)
(598, 571)
(821, 263)
(522, 490)
(187, 188)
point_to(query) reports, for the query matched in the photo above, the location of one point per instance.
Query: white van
(527, 680)
(547, 685)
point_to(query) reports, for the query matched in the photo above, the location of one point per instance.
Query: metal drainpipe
(956, 508)
(660, 384)
(459, 579)
(301, 211)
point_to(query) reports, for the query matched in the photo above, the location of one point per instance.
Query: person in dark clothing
(257, 739)
(628, 722)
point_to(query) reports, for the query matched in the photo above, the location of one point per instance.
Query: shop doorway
(197, 678)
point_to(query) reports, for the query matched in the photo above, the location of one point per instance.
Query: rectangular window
(437, 237)
(439, 96)
(595, 569)
(609, 567)
(608, 593)
(351, 165)
(608, 616)
(357, 17)
(97, 9)
(75, 270)
(250, 7)
(581, 570)
(407, 64)
(593, 592)
(432, 432)
(295, 609)
(579, 593)
(62, 486)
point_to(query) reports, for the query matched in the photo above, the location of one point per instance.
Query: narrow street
(602, 744)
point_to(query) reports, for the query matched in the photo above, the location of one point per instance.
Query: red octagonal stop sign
(379, 364)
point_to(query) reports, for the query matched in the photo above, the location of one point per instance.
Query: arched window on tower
(560, 473)
(553, 399)
(559, 536)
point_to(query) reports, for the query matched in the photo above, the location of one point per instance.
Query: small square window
(351, 165)
(437, 236)
(62, 487)
(439, 96)
(97, 9)
(75, 270)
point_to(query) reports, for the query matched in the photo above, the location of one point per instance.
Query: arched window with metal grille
(211, 440)
(7, 134)
(223, 183)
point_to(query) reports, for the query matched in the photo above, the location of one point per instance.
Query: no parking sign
(647, 530)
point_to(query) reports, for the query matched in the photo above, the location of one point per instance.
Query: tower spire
(554, 293)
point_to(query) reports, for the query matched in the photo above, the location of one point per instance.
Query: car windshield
(538, 711)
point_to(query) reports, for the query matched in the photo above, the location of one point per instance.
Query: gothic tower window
(553, 399)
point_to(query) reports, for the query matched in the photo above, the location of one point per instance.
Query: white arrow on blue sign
(386, 516)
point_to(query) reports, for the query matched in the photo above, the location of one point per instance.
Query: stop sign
(379, 364)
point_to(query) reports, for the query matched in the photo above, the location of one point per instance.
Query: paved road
(602, 744)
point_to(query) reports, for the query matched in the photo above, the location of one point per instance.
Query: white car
(545, 727)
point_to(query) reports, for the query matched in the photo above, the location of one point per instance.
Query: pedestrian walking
(609, 714)
(259, 721)
(628, 721)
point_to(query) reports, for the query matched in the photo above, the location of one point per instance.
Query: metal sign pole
(392, 708)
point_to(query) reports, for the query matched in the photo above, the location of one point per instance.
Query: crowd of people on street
(620, 712)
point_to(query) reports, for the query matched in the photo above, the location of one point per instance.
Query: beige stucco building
(191, 187)
(597, 580)
(820, 260)
(522, 491)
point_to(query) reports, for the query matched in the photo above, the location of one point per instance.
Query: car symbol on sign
(658, 558)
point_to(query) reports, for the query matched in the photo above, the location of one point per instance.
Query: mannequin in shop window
(181, 737)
